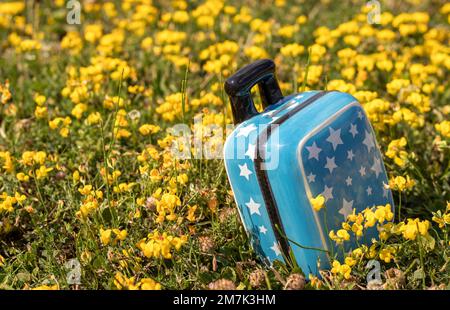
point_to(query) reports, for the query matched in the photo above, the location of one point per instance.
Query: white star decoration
(244, 171)
(245, 131)
(368, 141)
(311, 178)
(262, 229)
(335, 138)
(253, 207)
(369, 191)
(251, 151)
(313, 151)
(350, 155)
(347, 208)
(362, 171)
(376, 167)
(360, 115)
(327, 193)
(348, 181)
(353, 130)
(276, 248)
(331, 165)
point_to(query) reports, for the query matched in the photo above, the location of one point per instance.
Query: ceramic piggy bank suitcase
(299, 146)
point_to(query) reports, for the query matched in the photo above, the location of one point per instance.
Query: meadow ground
(91, 195)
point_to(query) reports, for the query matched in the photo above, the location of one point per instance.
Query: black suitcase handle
(238, 86)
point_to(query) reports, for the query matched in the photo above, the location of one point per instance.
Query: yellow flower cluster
(62, 124)
(443, 128)
(317, 203)
(106, 234)
(412, 228)
(159, 245)
(90, 202)
(171, 107)
(401, 183)
(166, 207)
(123, 283)
(6, 161)
(396, 151)
(357, 222)
(219, 57)
(442, 218)
(7, 202)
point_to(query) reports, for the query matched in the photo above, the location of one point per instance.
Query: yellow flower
(387, 254)
(147, 129)
(370, 218)
(105, 236)
(123, 187)
(397, 152)
(78, 110)
(149, 284)
(76, 176)
(166, 207)
(341, 269)
(93, 33)
(160, 245)
(54, 287)
(123, 283)
(22, 177)
(336, 267)
(413, 228)
(191, 213)
(11, 8)
(401, 183)
(85, 190)
(317, 203)
(120, 234)
(40, 112)
(292, 50)
(287, 31)
(39, 99)
(340, 236)
(182, 179)
(343, 234)
(2, 261)
(350, 261)
(255, 52)
(443, 128)
(29, 45)
(42, 172)
(302, 19)
(19, 197)
(384, 213)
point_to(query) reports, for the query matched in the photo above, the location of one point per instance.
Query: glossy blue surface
(304, 151)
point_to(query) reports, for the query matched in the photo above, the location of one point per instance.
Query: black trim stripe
(263, 179)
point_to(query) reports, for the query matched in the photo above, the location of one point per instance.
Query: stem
(328, 231)
(105, 166)
(422, 265)
(299, 245)
(183, 92)
(41, 200)
(399, 206)
(306, 71)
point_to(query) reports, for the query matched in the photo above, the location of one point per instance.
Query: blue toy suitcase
(300, 146)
